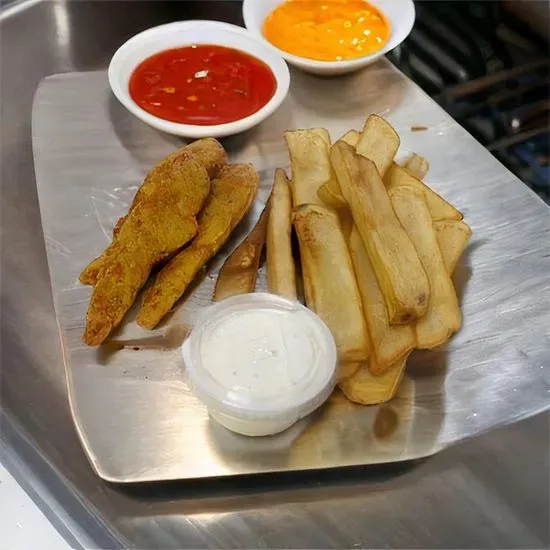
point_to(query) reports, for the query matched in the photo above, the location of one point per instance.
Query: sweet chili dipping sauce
(202, 85)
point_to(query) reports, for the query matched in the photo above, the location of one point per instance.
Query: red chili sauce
(202, 85)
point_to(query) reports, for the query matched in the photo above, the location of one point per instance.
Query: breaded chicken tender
(158, 225)
(231, 197)
(208, 152)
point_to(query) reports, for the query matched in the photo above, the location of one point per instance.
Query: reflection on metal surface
(62, 24)
(137, 418)
(10, 8)
(386, 422)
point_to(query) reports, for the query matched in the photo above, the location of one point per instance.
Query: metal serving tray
(137, 419)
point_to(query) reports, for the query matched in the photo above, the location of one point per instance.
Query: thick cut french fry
(398, 269)
(346, 221)
(330, 286)
(443, 317)
(351, 138)
(379, 142)
(239, 272)
(388, 342)
(328, 195)
(365, 388)
(417, 166)
(452, 234)
(345, 370)
(331, 198)
(322, 133)
(310, 163)
(329, 192)
(439, 208)
(370, 383)
(453, 237)
(281, 271)
(391, 341)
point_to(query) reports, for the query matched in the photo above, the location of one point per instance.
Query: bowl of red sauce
(199, 78)
(330, 37)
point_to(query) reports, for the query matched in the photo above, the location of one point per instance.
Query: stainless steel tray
(137, 419)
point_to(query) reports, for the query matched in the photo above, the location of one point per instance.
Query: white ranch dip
(260, 363)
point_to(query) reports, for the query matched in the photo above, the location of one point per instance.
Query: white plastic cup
(260, 363)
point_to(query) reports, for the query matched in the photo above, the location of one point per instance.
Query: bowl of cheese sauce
(330, 36)
(260, 363)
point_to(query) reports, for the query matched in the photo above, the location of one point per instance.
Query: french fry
(439, 208)
(239, 272)
(398, 269)
(330, 286)
(346, 221)
(379, 142)
(388, 342)
(453, 234)
(281, 271)
(417, 166)
(453, 237)
(326, 193)
(310, 163)
(443, 317)
(345, 370)
(323, 134)
(330, 198)
(365, 388)
(351, 138)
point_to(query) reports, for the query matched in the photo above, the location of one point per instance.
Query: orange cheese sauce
(327, 30)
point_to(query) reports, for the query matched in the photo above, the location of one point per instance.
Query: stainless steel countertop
(491, 492)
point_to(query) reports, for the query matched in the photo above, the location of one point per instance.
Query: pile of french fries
(377, 250)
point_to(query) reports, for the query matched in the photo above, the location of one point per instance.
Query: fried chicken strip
(232, 194)
(208, 152)
(158, 226)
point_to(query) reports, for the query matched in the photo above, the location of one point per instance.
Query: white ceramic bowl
(400, 14)
(182, 33)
